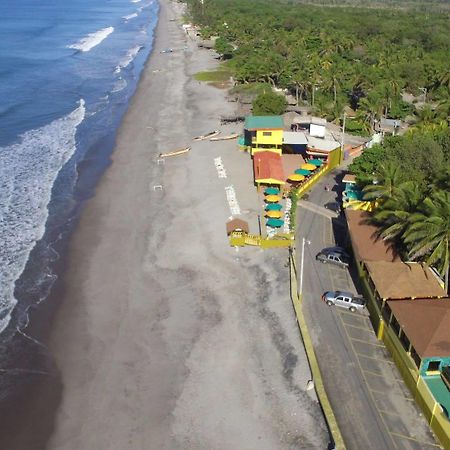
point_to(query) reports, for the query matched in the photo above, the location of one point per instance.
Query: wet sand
(166, 338)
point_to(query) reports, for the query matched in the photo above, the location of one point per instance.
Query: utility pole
(343, 137)
(304, 241)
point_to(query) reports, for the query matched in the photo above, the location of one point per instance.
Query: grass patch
(251, 89)
(213, 76)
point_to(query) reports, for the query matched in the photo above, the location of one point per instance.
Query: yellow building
(264, 134)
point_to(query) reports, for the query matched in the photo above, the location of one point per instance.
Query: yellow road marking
(373, 373)
(432, 444)
(382, 411)
(357, 327)
(372, 357)
(370, 391)
(356, 316)
(375, 344)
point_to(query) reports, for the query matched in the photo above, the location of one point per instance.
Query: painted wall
(263, 137)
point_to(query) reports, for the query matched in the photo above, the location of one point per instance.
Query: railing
(240, 239)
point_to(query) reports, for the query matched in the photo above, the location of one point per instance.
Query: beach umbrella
(272, 198)
(274, 223)
(303, 172)
(315, 162)
(273, 207)
(272, 191)
(308, 166)
(274, 214)
(296, 177)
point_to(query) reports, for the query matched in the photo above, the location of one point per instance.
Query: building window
(386, 312)
(433, 366)
(395, 325)
(415, 357)
(404, 341)
(265, 146)
(267, 133)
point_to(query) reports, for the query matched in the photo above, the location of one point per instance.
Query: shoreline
(163, 337)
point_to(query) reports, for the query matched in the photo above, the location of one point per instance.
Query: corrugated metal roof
(263, 122)
(322, 144)
(294, 137)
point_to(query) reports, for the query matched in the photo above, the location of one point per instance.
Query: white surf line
(232, 202)
(92, 40)
(221, 172)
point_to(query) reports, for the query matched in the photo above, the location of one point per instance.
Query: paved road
(373, 407)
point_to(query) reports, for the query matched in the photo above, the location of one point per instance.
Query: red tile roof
(268, 165)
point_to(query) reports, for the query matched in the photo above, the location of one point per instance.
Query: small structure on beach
(237, 225)
(264, 134)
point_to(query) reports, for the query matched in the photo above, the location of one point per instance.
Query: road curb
(312, 359)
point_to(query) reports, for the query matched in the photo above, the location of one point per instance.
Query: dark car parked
(334, 256)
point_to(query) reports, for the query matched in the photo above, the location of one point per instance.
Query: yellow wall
(276, 137)
(274, 141)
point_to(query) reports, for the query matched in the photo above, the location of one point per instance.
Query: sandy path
(166, 338)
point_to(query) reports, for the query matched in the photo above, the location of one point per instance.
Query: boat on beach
(207, 136)
(180, 151)
(225, 138)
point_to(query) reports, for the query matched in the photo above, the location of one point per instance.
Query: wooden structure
(237, 225)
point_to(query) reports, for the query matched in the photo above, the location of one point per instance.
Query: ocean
(67, 73)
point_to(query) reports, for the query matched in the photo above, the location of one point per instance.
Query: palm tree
(369, 109)
(392, 216)
(386, 182)
(428, 233)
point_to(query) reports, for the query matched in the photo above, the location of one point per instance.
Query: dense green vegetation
(333, 57)
(269, 104)
(382, 62)
(409, 177)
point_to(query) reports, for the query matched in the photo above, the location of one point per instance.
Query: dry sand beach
(166, 337)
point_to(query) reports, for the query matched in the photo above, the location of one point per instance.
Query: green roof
(263, 122)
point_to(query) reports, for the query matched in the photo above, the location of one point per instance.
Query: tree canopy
(269, 104)
(409, 177)
(337, 56)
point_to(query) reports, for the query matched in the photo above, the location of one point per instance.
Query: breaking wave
(126, 61)
(130, 16)
(92, 40)
(28, 170)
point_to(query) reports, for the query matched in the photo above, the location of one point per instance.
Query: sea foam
(28, 170)
(131, 54)
(92, 40)
(130, 16)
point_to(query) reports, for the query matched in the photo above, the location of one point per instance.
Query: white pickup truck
(344, 300)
